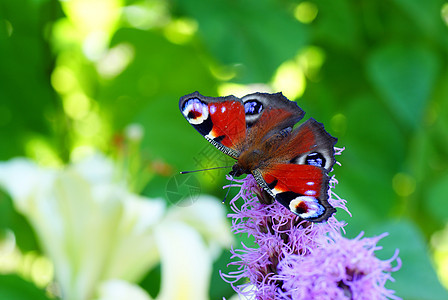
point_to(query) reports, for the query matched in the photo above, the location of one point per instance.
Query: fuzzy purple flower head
(340, 269)
(296, 259)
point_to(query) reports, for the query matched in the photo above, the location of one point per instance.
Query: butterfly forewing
(220, 120)
(258, 104)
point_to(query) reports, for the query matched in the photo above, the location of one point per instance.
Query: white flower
(116, 289)
(101, 238)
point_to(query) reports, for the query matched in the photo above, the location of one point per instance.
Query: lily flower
(102, 238)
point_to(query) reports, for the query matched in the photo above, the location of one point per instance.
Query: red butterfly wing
(220, 120)
(296, 176)
(301, 188)
(311, 144)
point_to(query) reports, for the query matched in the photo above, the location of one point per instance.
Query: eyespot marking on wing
(195, 111)
(306, 207)
(253, 107)
(315, 159)
(319, 159)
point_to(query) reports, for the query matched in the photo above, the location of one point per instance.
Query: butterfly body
(290, 164)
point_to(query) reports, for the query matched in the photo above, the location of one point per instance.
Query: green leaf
(416, 279)
(25, 91)
(373, 154)
(13, 287)
(336, 24)
(257, 35)
(11, 219)
(436, 203)
(218, 287)
(426, 14)
(404, 76)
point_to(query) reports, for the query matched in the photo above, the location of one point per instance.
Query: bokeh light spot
(241, 90)
(63, 79)
(223, 73)
(64, 35)
(439, 242)
(403, 184)
(306, 12)
(180, 31)
(444, 12)
(42, 271)
(290, 80)
(6, 28)
(432, 113)
(88, 126)
(82, 151)
(339, 124)
(95, 45)
(311, 60)
(116, 60)
(39, 150)
(7, 242)
(148, 14)
(93, 15)
(76, 105)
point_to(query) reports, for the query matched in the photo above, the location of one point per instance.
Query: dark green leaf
(13, 287)
(26, 61)
(336, 25)
(373, 154)
(12, 220)
(416, 280)
(436, 202)
(404, 76)
(427, 15)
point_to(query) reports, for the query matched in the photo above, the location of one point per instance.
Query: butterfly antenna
(228, 190)
(186, 172)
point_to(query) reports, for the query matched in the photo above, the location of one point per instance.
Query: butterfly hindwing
(303, 189)
(220, 120)
(311, 144)
(298, 177)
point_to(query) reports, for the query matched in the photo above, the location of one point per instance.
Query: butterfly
(290, 165)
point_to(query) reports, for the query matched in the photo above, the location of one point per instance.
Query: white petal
(186, 262)
(135, 251)
(116, 289)
(97, 169)
(249, 293)
(208, 216)
(21, 177)
(81, 241)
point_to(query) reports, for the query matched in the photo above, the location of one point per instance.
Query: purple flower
(338, 269)
(296, 259)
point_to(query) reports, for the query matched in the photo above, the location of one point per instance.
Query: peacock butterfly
(290, 164)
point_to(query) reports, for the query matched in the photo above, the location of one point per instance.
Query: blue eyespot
(315, 159)
(253, 107)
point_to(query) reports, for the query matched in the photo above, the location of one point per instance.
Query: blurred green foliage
(378, 82)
